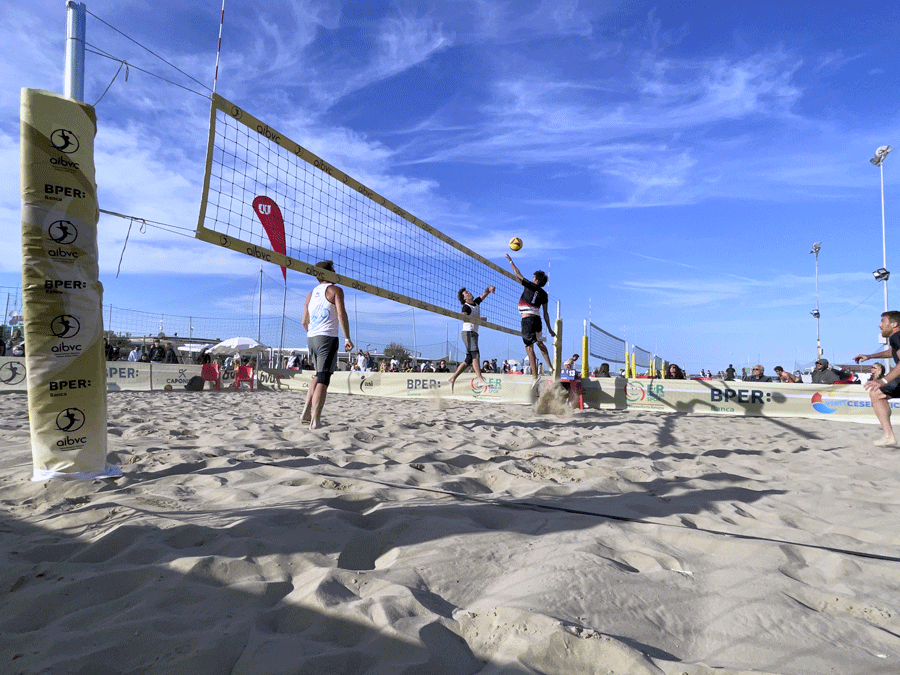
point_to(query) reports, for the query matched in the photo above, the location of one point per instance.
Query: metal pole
(283, 313)
(883, 239)
(259, 314)
(815, 250)
(73, 84)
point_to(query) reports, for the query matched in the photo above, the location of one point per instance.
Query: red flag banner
(270, 216)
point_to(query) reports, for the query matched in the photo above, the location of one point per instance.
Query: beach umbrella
(244, 345)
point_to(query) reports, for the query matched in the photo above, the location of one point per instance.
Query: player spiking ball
(534, 299)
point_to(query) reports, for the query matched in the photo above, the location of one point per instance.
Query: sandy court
(442, 537)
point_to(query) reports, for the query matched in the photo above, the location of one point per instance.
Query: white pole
(259, 315)
(73, 85)
(283, 313)
(883, 239)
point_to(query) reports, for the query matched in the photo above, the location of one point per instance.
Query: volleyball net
(606, 346)
(266, 196)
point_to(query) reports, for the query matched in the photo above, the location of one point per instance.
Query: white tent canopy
(244, 345)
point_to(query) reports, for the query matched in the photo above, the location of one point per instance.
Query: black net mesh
(605, 346)
(329, 215)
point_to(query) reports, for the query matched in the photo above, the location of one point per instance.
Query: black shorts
(891, 389)
(531, 330)
(470, 340)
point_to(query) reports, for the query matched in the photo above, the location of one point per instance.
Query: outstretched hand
(860, 357)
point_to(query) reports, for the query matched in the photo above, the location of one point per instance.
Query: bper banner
(61, 291)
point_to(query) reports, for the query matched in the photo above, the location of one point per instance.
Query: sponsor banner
(845, 402)
(497, 388)
(62, 295)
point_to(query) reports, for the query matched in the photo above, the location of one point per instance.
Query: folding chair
(243, 374)
(210, 373)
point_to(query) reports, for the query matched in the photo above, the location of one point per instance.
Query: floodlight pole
(76, 20)
(815, 249)
(878, 160)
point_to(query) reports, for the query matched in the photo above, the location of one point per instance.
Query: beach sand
(427, 536)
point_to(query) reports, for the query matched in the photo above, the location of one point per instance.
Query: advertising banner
(499, 389)
(845, 402)
(61, 291)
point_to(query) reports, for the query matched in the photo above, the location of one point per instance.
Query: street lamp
(882, 274)
(815, 312)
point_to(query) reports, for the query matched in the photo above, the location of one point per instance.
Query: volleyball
(515, 243)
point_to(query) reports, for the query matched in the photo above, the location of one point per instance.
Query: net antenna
(219, 47)
(268, 197)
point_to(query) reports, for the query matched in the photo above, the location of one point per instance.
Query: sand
(431, 536)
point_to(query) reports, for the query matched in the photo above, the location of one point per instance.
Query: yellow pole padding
(585, 371)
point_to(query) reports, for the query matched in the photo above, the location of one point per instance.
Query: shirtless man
(881, 391)
(323, 311)
(534, 299)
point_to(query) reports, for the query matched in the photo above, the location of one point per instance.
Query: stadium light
(815, 250)
(882, 274)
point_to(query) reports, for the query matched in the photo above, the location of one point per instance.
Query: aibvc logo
(12, 373)
(65, 326)
(65, 141)
(62, 232)
(69, 420)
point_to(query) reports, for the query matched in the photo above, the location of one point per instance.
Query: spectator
(729, 372)
(603, 370)
(570, 362)
(19, 348)
(758, 375)
(14, 339)
(823, 373)
(442, 367)
(784, 376)
(136, 353)
(494, 365)
(674, 372)
(383, 367)
(171, 356)
(486, 367)
(876, 372)
(294, 361)
(157, 352)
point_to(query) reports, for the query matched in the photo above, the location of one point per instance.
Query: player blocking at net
(323, 311)
(534, 299)
(470, 306)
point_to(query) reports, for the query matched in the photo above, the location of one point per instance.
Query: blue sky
(674, 162)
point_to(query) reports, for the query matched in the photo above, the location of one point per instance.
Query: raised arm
(514, 268)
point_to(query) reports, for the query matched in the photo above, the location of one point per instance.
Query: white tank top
(322, 314)
(475, 313)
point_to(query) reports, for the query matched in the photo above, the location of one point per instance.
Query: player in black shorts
(881, 391)
(534, 299)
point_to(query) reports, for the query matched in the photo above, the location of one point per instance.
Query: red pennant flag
(270, 216)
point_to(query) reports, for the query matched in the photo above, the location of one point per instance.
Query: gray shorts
(323, 351)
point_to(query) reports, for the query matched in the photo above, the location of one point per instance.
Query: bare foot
(885, 441)
(452, 383)
(314, 424)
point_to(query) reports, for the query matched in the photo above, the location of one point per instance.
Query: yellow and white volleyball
(515, 243)
(168, 387)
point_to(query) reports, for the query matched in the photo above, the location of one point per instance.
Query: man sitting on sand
(534, 298)
(880, 391)
(323, 311)
(470, 307)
